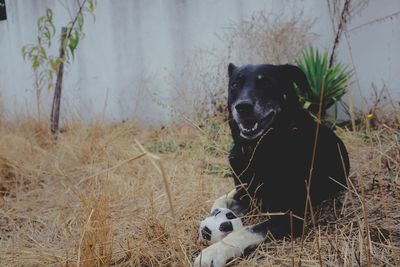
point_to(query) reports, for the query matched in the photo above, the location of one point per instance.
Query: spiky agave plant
(333, 80)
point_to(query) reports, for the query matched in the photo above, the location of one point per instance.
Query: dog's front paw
(215, 255)
(218, 224)
(233, 245)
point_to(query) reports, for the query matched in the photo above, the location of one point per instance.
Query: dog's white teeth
(248, 130)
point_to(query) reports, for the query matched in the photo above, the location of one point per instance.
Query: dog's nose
(244, 107)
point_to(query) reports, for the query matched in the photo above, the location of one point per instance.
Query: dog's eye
(234, 85)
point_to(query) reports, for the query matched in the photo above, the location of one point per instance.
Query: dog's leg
(232, 246)
(231, 201)
(225, 201)
(244, 239)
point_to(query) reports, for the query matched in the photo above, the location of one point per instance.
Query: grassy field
(95, 198)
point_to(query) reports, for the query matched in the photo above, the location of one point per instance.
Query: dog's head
(259, 95)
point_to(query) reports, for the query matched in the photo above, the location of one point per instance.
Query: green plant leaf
(54, 63)
(307, 104)
(35, 62)
(334, 80)
(91, 5)
(80, 21)
(73, 41)
(49, 14)
(43, 52)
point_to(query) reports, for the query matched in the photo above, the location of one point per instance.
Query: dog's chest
(269, 155)
(275, 161)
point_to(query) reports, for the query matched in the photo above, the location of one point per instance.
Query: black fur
(276, 176)
(230, 216)
(226, 227)
(206, 233)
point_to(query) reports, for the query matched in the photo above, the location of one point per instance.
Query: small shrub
(333, 80)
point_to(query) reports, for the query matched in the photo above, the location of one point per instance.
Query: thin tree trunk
(55, 109)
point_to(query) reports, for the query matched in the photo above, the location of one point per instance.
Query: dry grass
(93, 199)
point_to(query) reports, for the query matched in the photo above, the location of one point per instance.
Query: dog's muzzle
(252, 120)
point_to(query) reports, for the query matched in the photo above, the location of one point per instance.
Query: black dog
(273, 157)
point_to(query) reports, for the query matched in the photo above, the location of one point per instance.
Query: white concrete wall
(122, 63)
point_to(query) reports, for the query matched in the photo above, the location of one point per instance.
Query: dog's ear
(296, 75)
(231, 69)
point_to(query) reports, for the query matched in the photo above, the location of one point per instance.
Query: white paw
(219, 224)
(215, 255)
